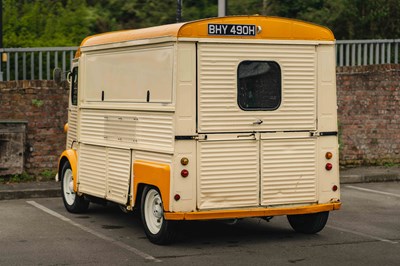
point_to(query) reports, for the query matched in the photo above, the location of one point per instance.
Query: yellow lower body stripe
(254, 212)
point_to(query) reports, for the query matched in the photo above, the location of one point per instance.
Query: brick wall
(369, 114)
(44, 106)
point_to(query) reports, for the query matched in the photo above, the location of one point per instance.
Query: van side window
(74, 86)
(259, 85)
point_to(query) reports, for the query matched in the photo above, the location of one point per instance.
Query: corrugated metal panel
(228, 174)
(119, 162)
(92, 170)
(288, 169)
(136, 130)
(72, 126)
(104, 172)
(218, 108)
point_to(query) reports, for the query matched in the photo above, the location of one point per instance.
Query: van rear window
(259, 85)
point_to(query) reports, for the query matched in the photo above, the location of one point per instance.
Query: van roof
(269, 28)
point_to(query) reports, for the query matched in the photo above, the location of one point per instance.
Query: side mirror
(57, 75)
(69, 77)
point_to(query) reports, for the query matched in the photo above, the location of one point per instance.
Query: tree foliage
(348, 19)
(29, 23)
(45, 23)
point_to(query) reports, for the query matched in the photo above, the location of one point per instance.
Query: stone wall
(369, 114)
(12, 147)
(43, 105)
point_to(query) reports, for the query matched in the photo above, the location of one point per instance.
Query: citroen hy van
(221, 118)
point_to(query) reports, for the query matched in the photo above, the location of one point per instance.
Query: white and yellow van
(220, 118)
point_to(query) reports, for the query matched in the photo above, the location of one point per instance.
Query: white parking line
(373, 191)
(362, 234)
(99, 235)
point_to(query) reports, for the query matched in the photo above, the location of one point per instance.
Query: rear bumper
(254, 212)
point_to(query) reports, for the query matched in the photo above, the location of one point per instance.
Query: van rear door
(256, 115)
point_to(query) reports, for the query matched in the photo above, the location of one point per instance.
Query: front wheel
(308, 223)
(72, 202)
(158, 230)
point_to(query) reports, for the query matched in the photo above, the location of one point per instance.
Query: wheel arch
(151, 174)
(138, 194)
(71, 157)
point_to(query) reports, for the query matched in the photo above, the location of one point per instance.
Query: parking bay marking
(374, 191)
(99, 235)
(362, 234)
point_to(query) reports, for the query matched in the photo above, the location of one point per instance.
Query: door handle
(247, 136)
(258, 122)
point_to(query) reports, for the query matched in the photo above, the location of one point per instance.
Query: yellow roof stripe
(272, 28)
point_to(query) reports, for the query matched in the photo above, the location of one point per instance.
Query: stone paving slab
(30, 190)
(369, 174)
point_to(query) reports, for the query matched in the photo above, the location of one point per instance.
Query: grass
(17, 178)
(37, 103)
(46, 175)
(391, 164)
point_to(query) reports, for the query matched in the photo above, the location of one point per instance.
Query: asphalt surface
(53, 189)
(365, 231)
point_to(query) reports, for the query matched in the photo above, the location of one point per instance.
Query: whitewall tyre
(72, 202)
(158, 230)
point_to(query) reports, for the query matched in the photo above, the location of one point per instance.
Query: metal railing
(367, 52)
(38, 63)
(34, 63)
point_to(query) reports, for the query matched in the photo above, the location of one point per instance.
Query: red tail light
(328, 166)
(184, 173)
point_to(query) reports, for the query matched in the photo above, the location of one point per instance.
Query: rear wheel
(72, 202)
(308, 223)
(158, 230)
